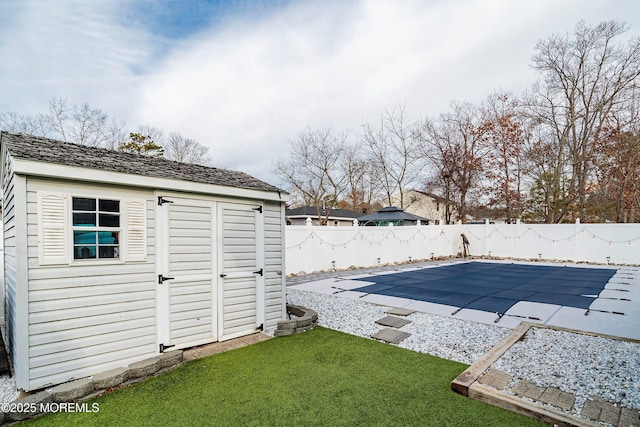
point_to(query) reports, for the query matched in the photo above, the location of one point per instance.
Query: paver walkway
(221, 347)
(595, 408)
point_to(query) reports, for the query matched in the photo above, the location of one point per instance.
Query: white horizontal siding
(190, 254)
(122, 320)
(85, 365)
(103, 325)
(90, 316)
(274, 264)
(239, 250)
(9, 254)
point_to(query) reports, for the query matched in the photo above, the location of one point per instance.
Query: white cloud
(249, 88)
(247, 85)
(70, 49)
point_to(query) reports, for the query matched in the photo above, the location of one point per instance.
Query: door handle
(161, 278)
(260, 272)
(223, 275)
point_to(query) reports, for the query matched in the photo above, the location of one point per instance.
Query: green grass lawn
(321, 377)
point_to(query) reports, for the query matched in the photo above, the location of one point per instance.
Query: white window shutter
(136, 230)
(53, 247)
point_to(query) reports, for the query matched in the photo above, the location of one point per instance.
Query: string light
(391, 235)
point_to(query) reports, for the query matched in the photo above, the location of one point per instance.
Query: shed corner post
(20, 334)
(283, 243)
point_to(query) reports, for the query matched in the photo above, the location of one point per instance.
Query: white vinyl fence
(315, 248)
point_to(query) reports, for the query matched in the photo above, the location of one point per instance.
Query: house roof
(390, 213)
(35, 148)
(310, 211)
(431, 195)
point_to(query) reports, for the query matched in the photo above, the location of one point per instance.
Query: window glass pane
(87, 215)
(109, 220)
(107, 237)
(82, 204)
(109, 205)
(108, 251)
(84, 237)
(84, 252)
(84, 219)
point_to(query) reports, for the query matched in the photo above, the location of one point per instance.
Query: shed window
(96, 228)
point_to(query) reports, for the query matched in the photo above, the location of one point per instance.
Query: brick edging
(84, 388)
(305, 319)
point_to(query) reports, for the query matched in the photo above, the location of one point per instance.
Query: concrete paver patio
(616, 311)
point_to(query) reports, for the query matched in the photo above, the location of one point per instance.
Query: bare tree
(14, 122)
(393, 146)
(617, 195)
(186, 150)
(547, 170)
(80, 124)
(505, 139)
(156, 134)
(312, 169)
(585, 79)
(453, 146)
(362, 180)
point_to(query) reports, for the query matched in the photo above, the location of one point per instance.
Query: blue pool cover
(494, 287)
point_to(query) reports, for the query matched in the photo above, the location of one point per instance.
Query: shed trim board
(72, 318)
(20, 333)
(56, 171)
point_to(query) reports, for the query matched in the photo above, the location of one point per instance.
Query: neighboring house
(391, 215)
(110, 257)
(425, 204)
(298, 216)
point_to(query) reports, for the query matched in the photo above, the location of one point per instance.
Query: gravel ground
(445, 337)
(579, 364)
(8, 391)
(586, 366)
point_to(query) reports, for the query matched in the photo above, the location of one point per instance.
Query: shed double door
(241, 264)
(208, 274)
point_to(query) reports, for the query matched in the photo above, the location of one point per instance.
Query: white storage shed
(111, 258)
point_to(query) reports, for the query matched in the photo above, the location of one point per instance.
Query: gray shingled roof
(28, 147)
(390, 214)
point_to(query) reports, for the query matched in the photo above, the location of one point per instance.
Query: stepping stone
(496, 379)
(389, 335)
(400, 311)
(528, 389)
(628, 417)
(559, 398)
(601, 410)
(394, 322)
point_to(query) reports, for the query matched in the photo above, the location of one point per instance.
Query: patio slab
(487, 318)
(387, 300)
(390, 335)
(534, 312)
(620, 295)
(430, 307)
(400, 312)
(322, 286)
(350, 294)
(393, 322)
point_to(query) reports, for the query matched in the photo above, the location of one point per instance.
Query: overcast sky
(244, 77)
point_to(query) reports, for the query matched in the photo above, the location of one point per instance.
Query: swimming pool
(493, 287)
